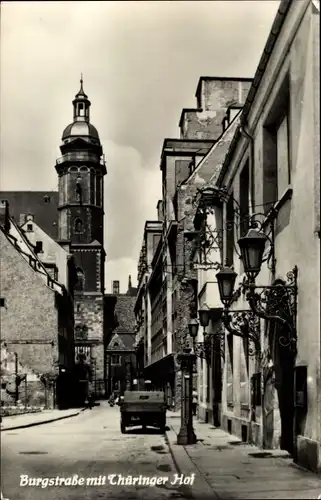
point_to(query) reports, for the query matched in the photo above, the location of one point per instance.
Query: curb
(184, 465)
(41, 422)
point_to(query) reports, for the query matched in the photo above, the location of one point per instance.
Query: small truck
(145, 408)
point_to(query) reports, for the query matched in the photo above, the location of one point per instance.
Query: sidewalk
(31, 419)
(226, 468)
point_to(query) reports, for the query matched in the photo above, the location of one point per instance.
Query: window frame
(118, 358)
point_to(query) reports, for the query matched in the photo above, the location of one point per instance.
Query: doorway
(283, 359)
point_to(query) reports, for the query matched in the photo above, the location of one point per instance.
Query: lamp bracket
(244, 324)
(277, 302)
(213, 343)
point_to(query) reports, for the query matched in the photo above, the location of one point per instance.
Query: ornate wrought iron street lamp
(277, 302)
(252, 247)
(213, 342)
(186, 359)
(241, 323)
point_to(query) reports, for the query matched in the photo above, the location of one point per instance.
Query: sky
(141, 62)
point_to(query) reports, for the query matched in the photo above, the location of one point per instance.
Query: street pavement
(42, 417)
(89, 454)
(82, 448)
(226, 468)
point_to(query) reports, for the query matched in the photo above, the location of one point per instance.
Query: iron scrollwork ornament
(244, 324)
(277, 303)
(203, 350)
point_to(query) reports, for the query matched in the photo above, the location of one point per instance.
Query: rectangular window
(276, 148)
(39, 247)
(29, 227)
(229, 232)
(2, 302)
(256, 389)
(229, 371)
(283, 163)
(98, 197)
(115, 359)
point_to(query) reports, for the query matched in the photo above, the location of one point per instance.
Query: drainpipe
(249, 137)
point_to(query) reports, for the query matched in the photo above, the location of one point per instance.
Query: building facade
(121, 365)
(81, 170)
(271, 382)
(43, 342)
(167, 294)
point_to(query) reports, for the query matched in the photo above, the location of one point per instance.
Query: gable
(116, 343)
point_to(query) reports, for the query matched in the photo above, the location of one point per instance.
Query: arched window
(79, 226)
(73, 169)
(80, 279)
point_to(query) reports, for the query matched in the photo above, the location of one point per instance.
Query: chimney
(22, 219)
(116, 287)
(4, 215)
(160, 213)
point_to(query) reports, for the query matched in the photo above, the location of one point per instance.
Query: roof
(267, 51)
(121, 341)
(205, 168)
(20, 242)
(43, 205)
(80, 129)
(124, 311)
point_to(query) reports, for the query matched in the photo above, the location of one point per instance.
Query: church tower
(81, 170)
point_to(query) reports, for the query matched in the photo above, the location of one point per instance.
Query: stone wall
(89, 312)
(30, 311)
(214, 96)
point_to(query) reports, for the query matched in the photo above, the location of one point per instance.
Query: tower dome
(80, 129)
(81, 126)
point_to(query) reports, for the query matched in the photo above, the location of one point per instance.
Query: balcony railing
(77, 156)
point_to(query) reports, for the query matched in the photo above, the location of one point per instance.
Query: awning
(161, 368)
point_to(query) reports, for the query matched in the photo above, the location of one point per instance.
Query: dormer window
(29, 227)
(39, 248)
(46, 199)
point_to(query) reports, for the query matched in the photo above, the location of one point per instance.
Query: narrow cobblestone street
(89, 445)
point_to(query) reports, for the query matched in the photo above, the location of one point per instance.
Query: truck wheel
(163, 426)
(122, 427)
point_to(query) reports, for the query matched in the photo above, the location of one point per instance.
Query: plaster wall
(297, 242)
